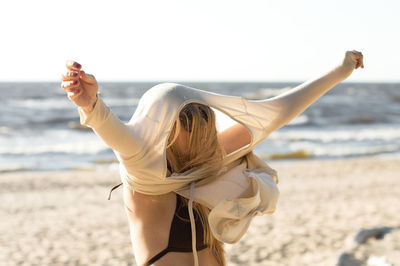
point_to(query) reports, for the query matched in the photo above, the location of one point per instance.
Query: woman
(187, 187)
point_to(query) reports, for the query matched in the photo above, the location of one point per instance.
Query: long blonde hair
(203, 148)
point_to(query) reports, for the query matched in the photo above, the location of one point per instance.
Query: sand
(64, 218)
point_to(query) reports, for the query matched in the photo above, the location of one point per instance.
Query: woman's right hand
(81, 88)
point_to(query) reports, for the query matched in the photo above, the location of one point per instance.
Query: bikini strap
(114, 187)
(157, 257)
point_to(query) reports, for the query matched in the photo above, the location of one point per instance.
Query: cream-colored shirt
(244, 188)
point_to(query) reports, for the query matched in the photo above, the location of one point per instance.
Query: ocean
(39, 126)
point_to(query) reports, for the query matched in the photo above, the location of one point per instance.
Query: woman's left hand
(354, 58)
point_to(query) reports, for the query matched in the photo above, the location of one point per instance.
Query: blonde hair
(199, 121)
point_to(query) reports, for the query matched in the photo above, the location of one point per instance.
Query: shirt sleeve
(292, 103)
(115, 134)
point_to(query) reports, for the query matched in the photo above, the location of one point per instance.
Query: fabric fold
(246, 186)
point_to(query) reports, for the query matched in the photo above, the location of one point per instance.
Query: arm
(292, 103)
(110, 129)
(271, 114)
(285, 106)
(82, 90)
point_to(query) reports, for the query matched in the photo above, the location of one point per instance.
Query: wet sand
(64, 217)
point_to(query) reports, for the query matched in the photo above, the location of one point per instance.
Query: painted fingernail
(74, 74)
(78, 91)
(77, 65)
(75, 82)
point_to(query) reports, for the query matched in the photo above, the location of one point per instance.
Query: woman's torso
(150, 216)
(150, 219)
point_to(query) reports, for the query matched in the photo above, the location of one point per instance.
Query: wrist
(89, 108)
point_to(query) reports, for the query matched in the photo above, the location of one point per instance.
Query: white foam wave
(343, 150)
(55, 141)
(326, 135)
(64, 103)
(42, 104)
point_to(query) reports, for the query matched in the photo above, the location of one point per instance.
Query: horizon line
(199, 81)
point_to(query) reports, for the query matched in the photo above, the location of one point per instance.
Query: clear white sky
(199, 40)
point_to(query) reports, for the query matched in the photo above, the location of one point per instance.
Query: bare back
(150, 216)
(150, 219)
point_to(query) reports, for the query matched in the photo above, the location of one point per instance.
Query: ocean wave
(338, 152)
(52, 141)
(329, 134)
(15, 168)
(5, 131)
(42, 104)
(64, 103)
(60, 148)
(355, 151)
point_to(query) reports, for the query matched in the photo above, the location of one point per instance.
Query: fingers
(70, 75)
(354, 58)
(362, 61)
(73, 65)
(70, 79)
(72, 88)
(358, 56)
(70, 85)
(74, 94)
(88, 78)
(72, 72)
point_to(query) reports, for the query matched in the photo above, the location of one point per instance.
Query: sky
(202, 40)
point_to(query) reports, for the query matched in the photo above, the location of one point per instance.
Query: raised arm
(273, 113)
(82, 89)
(292, 103)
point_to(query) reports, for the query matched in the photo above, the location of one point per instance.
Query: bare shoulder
(234, 138)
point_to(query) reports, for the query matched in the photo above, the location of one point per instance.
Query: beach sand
(64, 218)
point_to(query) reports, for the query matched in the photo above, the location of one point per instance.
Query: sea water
(40, 130)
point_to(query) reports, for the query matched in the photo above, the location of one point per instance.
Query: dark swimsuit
(180, 235)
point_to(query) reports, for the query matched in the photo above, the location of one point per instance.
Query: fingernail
(74, 74)
(78, 91)
(75, 82)
(77, 65)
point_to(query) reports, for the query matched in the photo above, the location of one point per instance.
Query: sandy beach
(64, 217)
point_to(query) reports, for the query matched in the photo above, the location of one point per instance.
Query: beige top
(244, 188)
